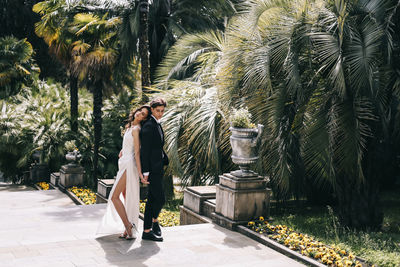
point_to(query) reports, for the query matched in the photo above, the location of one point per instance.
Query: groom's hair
(158, 102)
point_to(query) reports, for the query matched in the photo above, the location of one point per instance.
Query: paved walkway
(45, 228)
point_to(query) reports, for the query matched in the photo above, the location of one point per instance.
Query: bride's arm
(136, 143)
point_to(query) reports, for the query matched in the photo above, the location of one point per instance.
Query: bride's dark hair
(132, 115)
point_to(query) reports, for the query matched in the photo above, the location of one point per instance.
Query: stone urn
(73, 157)
(244, 142)
(71, 174)
(38, 171)
(37, 156)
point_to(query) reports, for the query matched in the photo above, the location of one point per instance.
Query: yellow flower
(261, 218)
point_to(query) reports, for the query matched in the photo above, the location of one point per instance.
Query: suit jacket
(152, 155)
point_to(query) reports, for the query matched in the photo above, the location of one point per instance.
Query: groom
(153, 160)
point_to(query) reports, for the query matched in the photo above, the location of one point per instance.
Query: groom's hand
(144, 179)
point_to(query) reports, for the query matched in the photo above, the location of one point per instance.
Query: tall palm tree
(96, 56)
(16, 65)
(144, 47)
(164, 21)
(56, 17)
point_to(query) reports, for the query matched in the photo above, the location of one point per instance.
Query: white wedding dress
(111, 223)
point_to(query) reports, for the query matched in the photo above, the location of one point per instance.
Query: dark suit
(153, 159)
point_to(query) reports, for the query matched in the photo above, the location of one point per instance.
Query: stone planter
(244, 142)
(242, 195)
(37, 156)
(73, 157)
(39, 173)
(71, 174)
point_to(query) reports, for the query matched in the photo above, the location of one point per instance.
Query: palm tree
(317, 75)
(196, 128)
(16, 65)
(56, 17)
(144, 47)
(96, 56)
(164, 21)
(320, 77)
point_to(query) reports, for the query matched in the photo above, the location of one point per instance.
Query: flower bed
(304, 244)
(43, 185)
(166, 218)
(86, 195)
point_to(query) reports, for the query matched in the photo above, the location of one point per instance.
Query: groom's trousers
(155, 199)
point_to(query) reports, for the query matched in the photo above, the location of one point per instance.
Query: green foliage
(33, 120)
(195, 132)
(241, 118)
(37, 119)
(17, 67)
(320, 77)
(379, 248)
(70, 146)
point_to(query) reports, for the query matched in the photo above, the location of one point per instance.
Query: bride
(122, 212)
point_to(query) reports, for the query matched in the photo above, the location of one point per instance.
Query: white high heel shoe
(134, 232)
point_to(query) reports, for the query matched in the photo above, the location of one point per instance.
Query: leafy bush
(34, 119)
(241, 118)
(38, 118)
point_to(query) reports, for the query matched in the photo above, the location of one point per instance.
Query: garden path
(45, 228)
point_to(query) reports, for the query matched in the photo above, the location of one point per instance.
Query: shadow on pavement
(121, 252)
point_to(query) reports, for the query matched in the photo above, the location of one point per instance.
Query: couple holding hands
(142, 157)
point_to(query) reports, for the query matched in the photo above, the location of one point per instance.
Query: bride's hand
(144, 179)
(120, 154)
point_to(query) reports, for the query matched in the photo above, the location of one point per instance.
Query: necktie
(160, 131)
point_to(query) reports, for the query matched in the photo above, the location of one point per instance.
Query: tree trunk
(73, 87)
(144, 48)
(97, 123)
(358, 204)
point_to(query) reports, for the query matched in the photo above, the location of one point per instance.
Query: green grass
(174, 203)
(380, 248)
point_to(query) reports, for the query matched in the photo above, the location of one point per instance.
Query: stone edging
(74, 198)
(51, 187)
(277, 247)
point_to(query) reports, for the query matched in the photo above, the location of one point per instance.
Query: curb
(278, 247)
(40, 189)
(74, 198)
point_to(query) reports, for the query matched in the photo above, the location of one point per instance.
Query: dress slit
(111, 223)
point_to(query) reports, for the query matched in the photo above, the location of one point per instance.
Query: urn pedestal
(239, 200)
(242, 195)
(104, 187)
(71, 175)
(39, 173)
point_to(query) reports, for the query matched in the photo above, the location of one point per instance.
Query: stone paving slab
(45, 228)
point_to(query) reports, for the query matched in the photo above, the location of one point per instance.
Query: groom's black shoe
(151, 236)
(156, 228)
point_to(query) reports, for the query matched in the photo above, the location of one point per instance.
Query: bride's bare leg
(118, 203)
(124, 194)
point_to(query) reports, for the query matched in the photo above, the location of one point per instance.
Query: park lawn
(380, 248)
